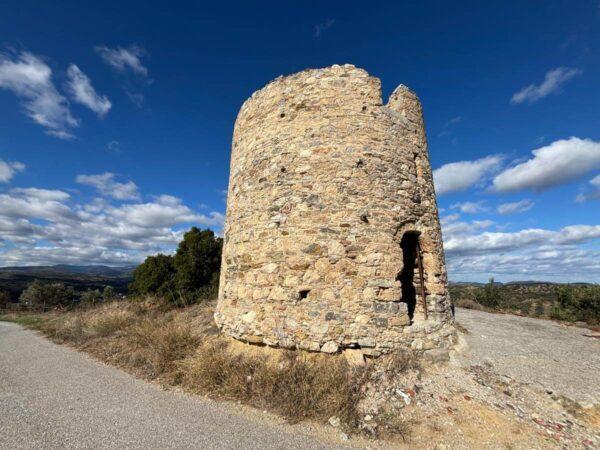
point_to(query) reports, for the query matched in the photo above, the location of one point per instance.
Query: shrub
(90, 296)
(197, 261)
(40, 295)
(4, 299)
(108, 293)
(577, 303)
(154, 276)
(191, 275)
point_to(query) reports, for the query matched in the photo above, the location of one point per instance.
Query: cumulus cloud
(30, 79)
(45, 226)
(497, 241)
(106, 184)
(452, 226)
(458, 176)
(124, 59)
(474, 252)
(553, 81)
(515, 207)
(9, 169)
(593, 194)
(80, 88)
(41, 194)
(469, 207)
(38, 203)
(559, 162)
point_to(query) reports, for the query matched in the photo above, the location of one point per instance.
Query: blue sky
(116, 120)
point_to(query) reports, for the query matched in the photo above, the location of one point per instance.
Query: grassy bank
(181, 347)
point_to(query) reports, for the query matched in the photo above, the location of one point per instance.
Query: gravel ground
(542, 353)
(54, 397)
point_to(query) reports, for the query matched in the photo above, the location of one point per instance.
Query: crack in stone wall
(325, 180)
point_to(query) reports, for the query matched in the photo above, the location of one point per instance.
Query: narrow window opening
(411, 276)
(302, 294)
(282, 115)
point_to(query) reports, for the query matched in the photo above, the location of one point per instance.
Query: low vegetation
(565, 302)
(180, 346)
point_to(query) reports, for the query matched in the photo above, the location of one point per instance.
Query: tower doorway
(412, 277)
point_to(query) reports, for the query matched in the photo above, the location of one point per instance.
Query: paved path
(54, 397)
(550, 355)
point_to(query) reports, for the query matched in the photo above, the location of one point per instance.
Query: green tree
(33, 295)
(40, 295)
(198, 262)
(575, 303)
(490, 295)
(4, 299)
(58, 294)
(154, 276)
(108, 293)
(90, 296)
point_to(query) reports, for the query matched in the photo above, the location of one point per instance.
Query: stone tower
(330, 210)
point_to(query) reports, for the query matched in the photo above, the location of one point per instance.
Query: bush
(197, 261)
(91, 296)
(40, 295)
(191, 275)
(108, 293)
(490, 296)
(577, 303)
(4, 299)
(154, 276)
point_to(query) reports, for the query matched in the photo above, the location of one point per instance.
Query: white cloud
(9, 169)
(473, 253)
(45, 226)
(30, 78)
(106, 184)
(560, 162)
(23, 205)
(458, 176)
(594, 194)
(123, 59)
(453, 227)
(553, 81)
(515, 207)
(470, 207)
(494, 241)
(80, 88)
(41, 194)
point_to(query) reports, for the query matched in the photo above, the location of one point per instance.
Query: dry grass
(295, 386)
(180, 347)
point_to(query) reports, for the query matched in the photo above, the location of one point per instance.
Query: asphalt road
(54, 397)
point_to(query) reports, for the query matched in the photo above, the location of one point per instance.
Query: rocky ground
(513, 383)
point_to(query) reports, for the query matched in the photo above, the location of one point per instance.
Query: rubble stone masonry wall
(325, 182)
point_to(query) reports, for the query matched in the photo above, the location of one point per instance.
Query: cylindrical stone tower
(332, 219)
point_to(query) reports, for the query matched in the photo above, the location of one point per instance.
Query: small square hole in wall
(302, 294)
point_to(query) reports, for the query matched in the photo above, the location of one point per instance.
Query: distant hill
(15, 279)
(107, 271)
